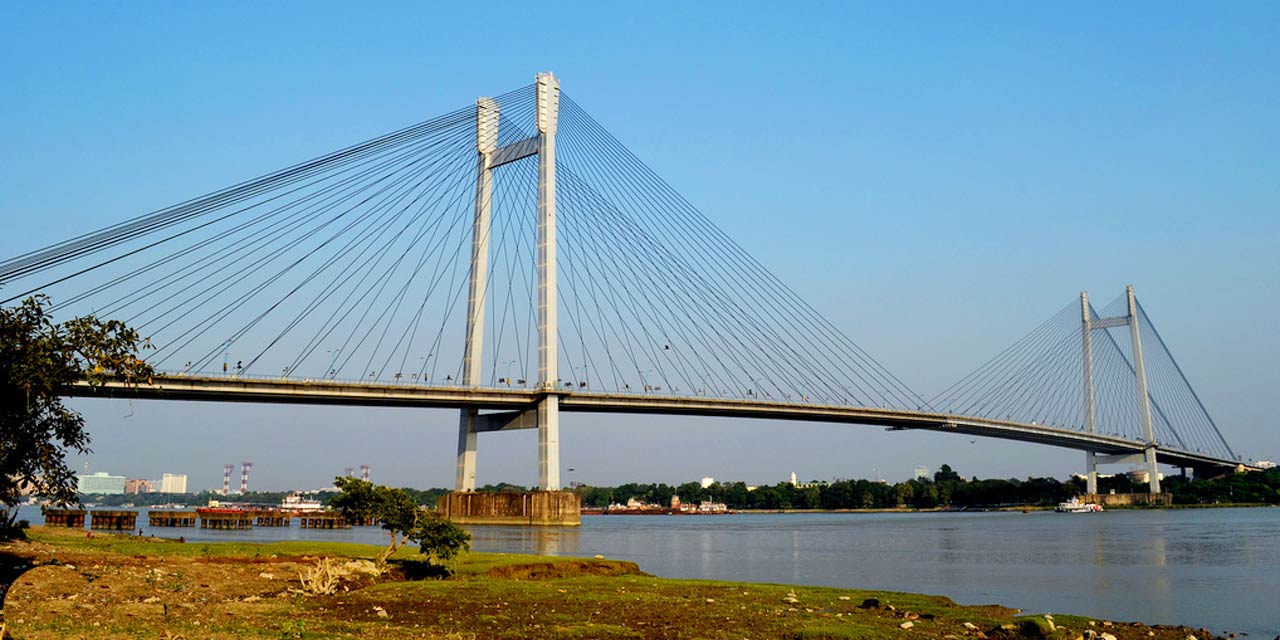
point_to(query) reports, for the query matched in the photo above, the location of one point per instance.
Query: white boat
(299, 504)
(1075, 506)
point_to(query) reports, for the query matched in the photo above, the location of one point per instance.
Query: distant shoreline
(1232, 505)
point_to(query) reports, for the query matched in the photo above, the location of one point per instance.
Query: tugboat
(1075, 506)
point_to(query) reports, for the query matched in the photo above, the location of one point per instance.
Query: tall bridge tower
(546, 417)
(1088, 326)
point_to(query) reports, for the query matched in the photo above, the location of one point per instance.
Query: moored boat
(1074, 505)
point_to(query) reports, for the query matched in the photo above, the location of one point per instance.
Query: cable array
(355, 265)
(1040, 379)
(657, 298)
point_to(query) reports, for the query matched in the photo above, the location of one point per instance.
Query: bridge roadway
(335, 392)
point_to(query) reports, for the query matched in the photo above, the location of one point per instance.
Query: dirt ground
(65, 587)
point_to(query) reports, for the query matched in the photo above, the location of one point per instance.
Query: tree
(39, 361)
(904, 493)
(402, 518)
(946, 474)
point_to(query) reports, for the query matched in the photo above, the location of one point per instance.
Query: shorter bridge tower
(1088, 326)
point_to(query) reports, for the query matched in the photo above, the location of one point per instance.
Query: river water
(1216, 568)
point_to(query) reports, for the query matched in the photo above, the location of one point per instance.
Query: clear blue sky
(937, 178)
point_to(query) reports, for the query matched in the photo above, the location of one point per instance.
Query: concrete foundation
(71, 518)
(272, 519)
(536, 508)
(323, 520)
(113, 520)
(1129, 499)
(171, 518)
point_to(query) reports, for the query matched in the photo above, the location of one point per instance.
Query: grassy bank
(68, 586)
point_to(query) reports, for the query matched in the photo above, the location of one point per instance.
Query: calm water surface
(1217, 568)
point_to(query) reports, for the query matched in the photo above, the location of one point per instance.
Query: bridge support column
(549, 443)
(1090, 458)
(1091, 472)
(486, 143)
(548, 89)
(1144, 398)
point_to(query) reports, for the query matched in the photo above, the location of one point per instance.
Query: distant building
(173, 483)
(707, 481)
(1266, 464)
(100, 483)
(804, 485)
(1085, 476)
(922, 472)
(134, 486)
(1142, 475)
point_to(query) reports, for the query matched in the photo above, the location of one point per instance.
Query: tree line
(945, 489)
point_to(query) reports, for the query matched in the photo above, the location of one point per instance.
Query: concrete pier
(113, 520)
(1129, 499)
(171, 518)
(536, 508)
(323, 520)
(225, 519)
(70, 518)
(272, 518)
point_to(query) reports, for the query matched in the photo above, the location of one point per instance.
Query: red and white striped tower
(226, 478)
(349, 472)
(245, 467)
(364, 472)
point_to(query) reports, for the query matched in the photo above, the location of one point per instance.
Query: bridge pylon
(546, 415)
(1089, 325)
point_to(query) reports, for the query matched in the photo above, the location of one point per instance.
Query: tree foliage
(39, 361)
(402, 518)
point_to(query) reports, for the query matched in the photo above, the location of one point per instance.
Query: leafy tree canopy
(39, 361)
(402, 518)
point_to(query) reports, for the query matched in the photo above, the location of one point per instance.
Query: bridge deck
(289, 391)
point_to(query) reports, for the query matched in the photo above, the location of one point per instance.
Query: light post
(333, 357)
(425, 359)
(585, 382)
(226, 353)
(508, 364)
(644, 381)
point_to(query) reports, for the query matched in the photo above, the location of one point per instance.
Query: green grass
(830, 631)
(471, 564)
(163, 547)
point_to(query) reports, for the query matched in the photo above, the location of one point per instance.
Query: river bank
(1010, 508)
(66, 584)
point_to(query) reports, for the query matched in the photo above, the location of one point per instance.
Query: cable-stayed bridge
(513, 260)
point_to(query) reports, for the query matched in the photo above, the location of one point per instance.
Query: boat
(297, 504)
(1075, 506)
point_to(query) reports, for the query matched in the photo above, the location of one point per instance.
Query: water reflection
(545, 541)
